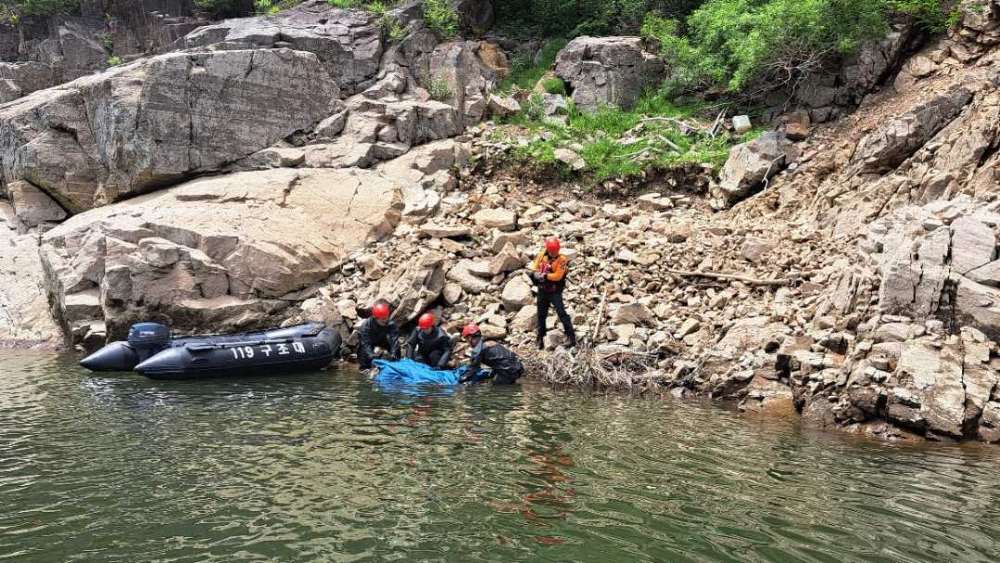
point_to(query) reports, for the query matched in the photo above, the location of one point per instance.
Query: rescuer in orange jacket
(549, 274)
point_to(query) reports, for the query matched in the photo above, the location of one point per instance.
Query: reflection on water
(330, 467)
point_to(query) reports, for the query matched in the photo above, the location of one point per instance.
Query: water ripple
(328, 467)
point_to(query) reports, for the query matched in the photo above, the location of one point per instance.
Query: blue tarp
(409, 372)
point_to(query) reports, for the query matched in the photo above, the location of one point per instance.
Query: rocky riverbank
(294, 167)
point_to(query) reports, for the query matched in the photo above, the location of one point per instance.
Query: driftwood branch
(600, 318)
(670, 143)
(734, 277)
(718, 121)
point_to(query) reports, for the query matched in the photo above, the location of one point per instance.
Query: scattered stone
(444, 231)
(502, 106)
(690, 326)
(502, 219)
(741, 124)
(755, 249)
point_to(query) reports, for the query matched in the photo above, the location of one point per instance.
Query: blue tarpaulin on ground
(410, 372)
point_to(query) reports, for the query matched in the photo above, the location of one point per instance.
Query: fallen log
(735, 277)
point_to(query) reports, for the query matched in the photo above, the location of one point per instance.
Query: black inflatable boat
(151, 351)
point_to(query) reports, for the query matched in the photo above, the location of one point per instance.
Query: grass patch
(656, 134)
(524, 73)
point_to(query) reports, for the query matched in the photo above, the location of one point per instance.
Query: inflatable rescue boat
(151, 351)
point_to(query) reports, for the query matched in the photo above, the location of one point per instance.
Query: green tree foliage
(584, 17)
(753, 46)
(43, 7)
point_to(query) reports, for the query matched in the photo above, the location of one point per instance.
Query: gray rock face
(20, 79)
(457, 65)
(886, 148)
(24, 311)
(136, 128)
(475, 17)
(859, 74)
(931, 270)
(228, 252)
(748, 166)
(979, 29)
(926, 391)
(347, 42)
(77, 52)
(608, 70)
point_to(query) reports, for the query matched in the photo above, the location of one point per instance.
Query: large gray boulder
(749, 165)
(347, 42)
(899, 138)
(142, 126)
(458, 67)
(411, 288)
(32, 206)
(223, 253)
(604, 71)
(24, 310)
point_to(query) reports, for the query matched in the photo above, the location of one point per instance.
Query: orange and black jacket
(555, 270)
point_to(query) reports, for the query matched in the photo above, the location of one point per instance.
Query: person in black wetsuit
(505, 366)
(429, 344)
(377, 331)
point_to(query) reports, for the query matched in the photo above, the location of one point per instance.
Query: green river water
(330, 467)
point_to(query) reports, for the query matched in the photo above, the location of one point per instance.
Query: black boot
(571, 341)
(541, 342)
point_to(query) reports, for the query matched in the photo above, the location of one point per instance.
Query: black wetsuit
(505, 365)
(433, 349)
(372, 334)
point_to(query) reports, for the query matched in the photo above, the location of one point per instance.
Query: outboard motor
(145, 340)
(148, 339)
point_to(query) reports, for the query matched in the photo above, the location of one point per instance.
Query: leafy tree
(45, 7)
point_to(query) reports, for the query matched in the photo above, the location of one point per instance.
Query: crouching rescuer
(429, 344)
(377, 331)
(549, 274)
(505, 366)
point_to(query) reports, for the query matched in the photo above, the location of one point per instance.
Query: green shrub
(753, 47)
(932, 14)
(524, 73)
(114, 60)
(554, 85)
(439, 89)
(584, 17)
(377, 7)
(391, 28)
(441, 17)
(346, 4)
(221, 7)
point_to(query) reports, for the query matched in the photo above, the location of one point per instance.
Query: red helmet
(552, 245)
(380, 311)
(469, 330)
(426, 321)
